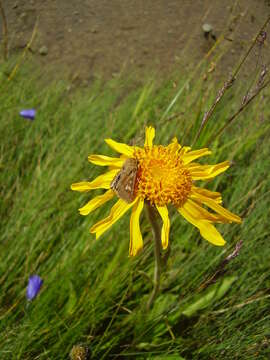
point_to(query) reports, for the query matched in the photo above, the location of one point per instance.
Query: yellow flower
(165, 175)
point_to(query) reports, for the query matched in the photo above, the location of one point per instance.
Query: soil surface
(90, 38)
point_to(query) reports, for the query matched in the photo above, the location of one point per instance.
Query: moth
(123, 183)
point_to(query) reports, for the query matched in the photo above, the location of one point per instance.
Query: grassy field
(93, 293)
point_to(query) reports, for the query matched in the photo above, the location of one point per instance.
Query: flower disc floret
(162, 178)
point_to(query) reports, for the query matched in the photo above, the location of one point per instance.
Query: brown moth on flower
(124, 182)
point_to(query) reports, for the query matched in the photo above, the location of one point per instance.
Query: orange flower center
(162, 177)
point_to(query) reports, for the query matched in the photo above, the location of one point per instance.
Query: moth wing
(126, 191)
(124, 182)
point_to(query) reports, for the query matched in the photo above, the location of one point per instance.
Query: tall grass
(93, 293)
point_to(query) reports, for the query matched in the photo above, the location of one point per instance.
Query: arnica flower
(165, 175)
(28, 114)
(33, 287)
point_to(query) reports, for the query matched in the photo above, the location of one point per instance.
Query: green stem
(151, 212)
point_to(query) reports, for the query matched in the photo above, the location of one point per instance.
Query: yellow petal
(96, 202)
(136, 241)
(174, 145)
(216, 207)
(200, 213)
(163, 211)
(102, 160)
(193, 155)
(149, 136)
(207, 168)
(120, 147)
(117, 211)
(82, 186)
(203, 172)
(101, 182)
(184, 150)
(211, 194)
(207, 230)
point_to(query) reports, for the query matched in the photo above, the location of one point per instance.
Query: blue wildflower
(33, 287)
(28, 114)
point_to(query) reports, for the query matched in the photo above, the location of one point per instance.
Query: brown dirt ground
(90, 38)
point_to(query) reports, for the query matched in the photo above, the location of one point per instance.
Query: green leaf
(216, 292)
(72, 300)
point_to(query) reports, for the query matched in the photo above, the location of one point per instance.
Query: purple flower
(28, 114)
(33, 287)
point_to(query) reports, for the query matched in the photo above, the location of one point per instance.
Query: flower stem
(151, 212)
